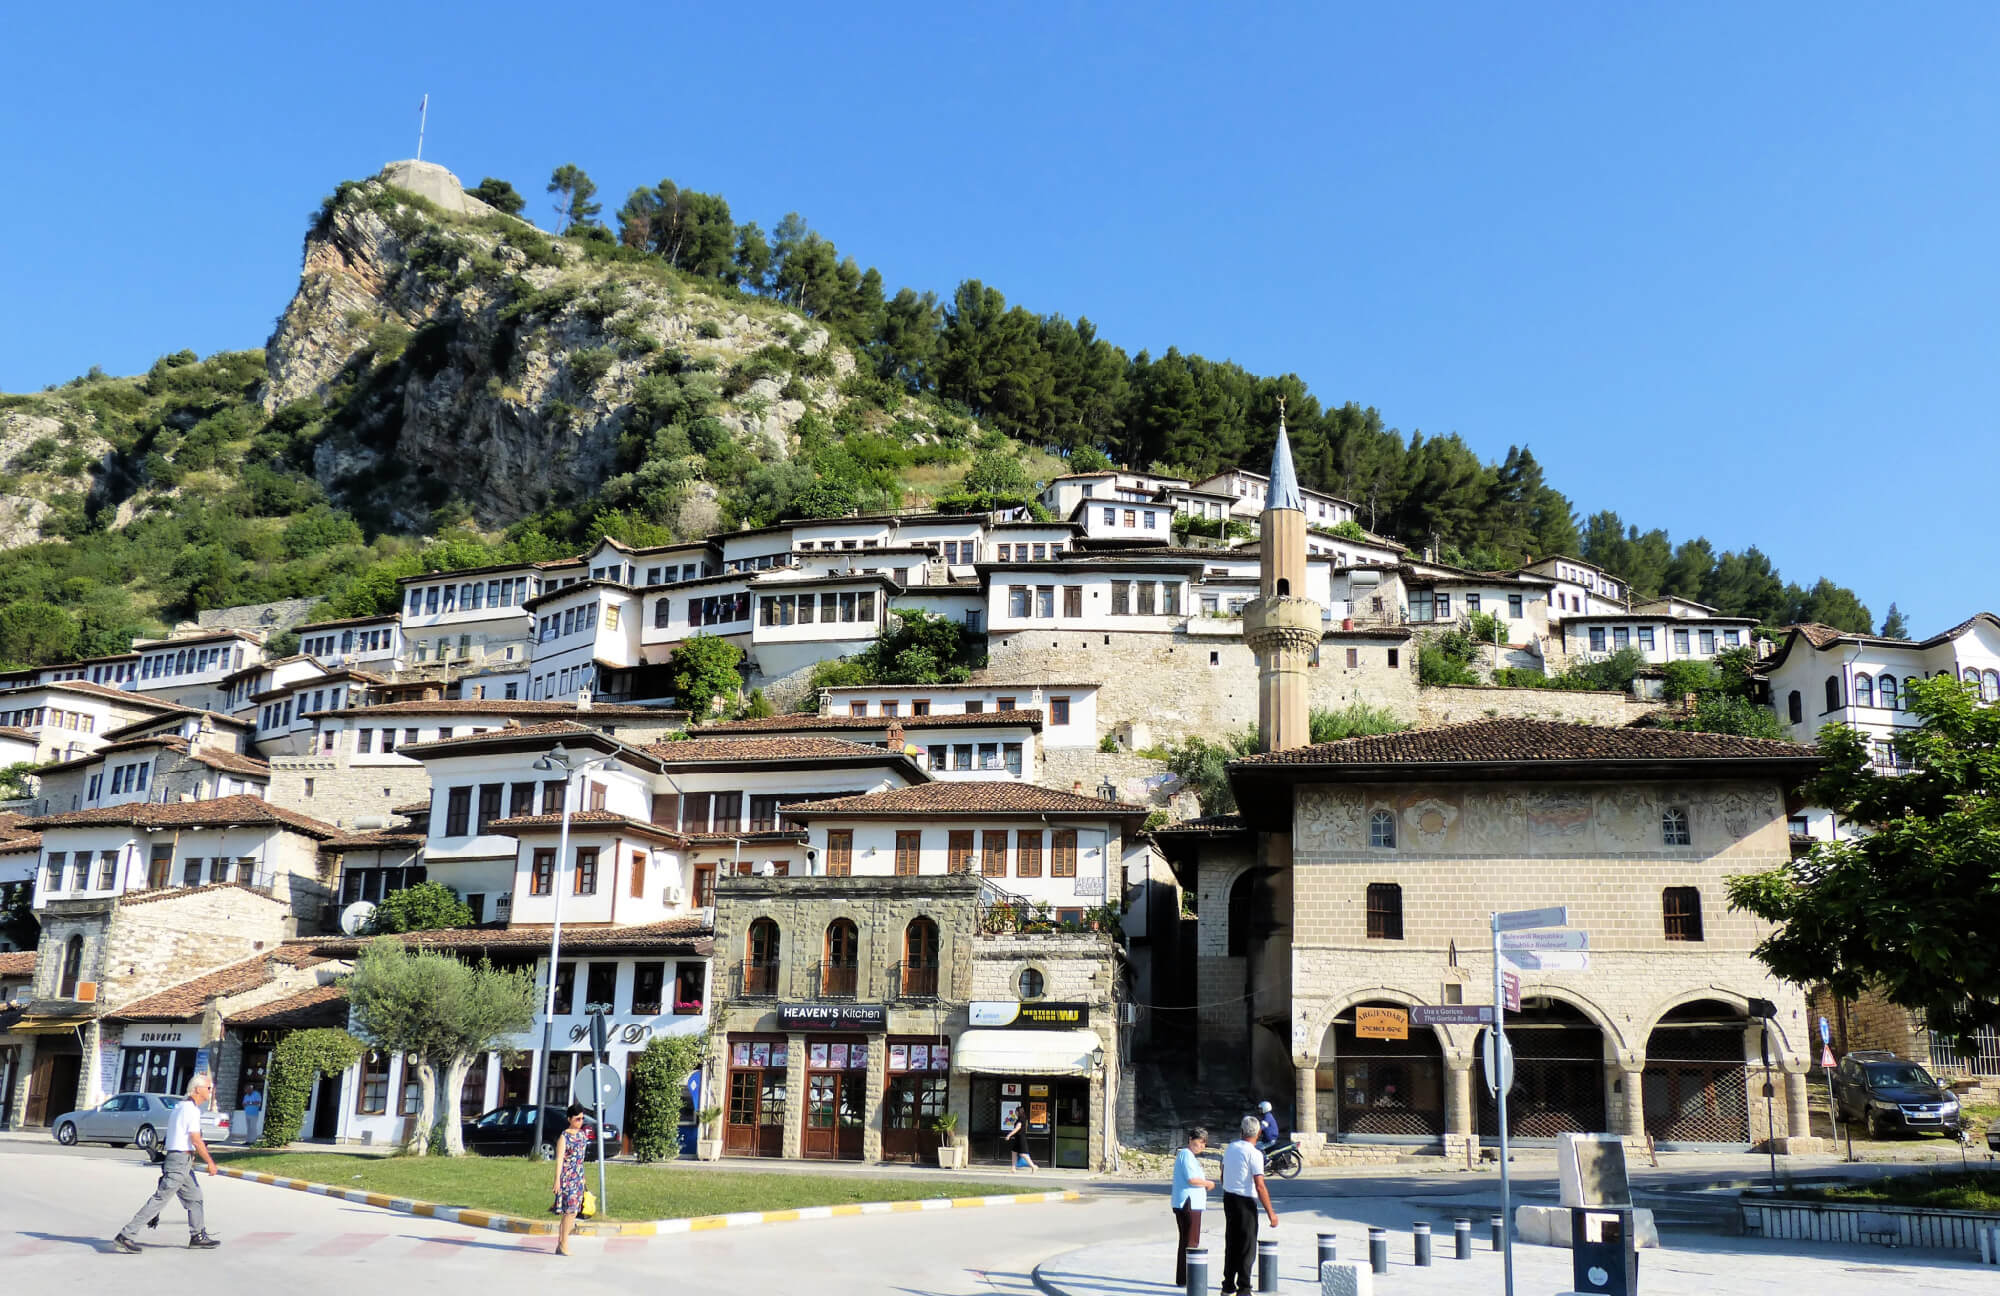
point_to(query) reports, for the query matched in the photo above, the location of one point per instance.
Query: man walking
(177, 1173)
(1242, 1190)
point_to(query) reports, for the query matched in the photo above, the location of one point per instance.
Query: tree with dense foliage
(576, 206)
(702, 670)
(298, 1061)
(1893, 624)
(424, 906)
(19, 927)
(1089, 459)
(657, 1091)
(1899, 907)
(499, 195)
(35, 633)
(446, 1012)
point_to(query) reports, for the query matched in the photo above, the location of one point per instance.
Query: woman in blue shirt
(1190, 1198)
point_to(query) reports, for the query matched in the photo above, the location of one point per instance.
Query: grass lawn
(1940, 1190)
(520, 1187)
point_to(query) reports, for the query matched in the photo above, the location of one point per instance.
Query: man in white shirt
(177, 1173)
(1242, 1190)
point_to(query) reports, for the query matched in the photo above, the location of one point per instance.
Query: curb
(644, 1228)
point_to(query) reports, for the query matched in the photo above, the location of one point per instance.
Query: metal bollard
(1378, 1250)
(1197, 1271)
(1329, 1247)
(1267, 1264)
(1498, 1224)
(1461, 1232)
(1420, 1237)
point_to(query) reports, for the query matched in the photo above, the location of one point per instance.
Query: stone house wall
(344, 794)
(1462, 704)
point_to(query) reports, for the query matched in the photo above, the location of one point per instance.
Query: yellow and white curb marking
(645, 1228)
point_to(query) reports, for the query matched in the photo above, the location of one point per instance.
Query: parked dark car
(1885, 1095)
(510, 1131)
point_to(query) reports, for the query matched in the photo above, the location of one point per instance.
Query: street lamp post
(557, 758)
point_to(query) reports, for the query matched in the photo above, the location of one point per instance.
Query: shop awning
(1026, 1052)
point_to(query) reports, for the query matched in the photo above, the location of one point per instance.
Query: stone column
(872, 1106)
(795, 1097)
(1798, 1116)
(1458, 1108)
(1631, 1116)
(1306, 1119)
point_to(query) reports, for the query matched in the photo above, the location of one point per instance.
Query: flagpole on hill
(423, 113)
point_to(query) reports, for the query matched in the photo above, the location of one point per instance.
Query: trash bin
(1604, 1250)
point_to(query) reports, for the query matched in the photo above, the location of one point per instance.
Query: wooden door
(739, 1134)
(39, 1080)
(852, 1114)
(822, 1131)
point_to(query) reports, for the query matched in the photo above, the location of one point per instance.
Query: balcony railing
(834, 981)
(915, 982)
(757, 979)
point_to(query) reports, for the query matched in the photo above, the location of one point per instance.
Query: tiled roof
(551, 729)
(234, 762)
(17, 963)
(1825, 636)
(177, 893)
(320, 1005)
(673, 933)
(600, 818)
(1027, 716)
(159, 723)
(1207, 825)
(189, 999)
(983, 796)
(806, 747)
(17, 733)
(501, 708)
(379, 840)
(1528, 741)
(24, 845)
(413, 808)
(219, 812)
(119, 695)
(11, 821)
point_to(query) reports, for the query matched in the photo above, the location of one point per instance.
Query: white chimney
(583, 699)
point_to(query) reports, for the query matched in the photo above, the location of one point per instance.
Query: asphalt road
(61, 1206)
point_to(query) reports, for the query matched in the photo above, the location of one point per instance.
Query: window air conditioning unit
(1128, 1014)
(675, 895)
(504, 905)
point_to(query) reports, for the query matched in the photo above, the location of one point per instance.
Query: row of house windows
(840, 960)
(564, 682)
(508, 800)
(668, 574)
(190, 661)
(1132, 518)
(469, 597)
(124, 778)
(347, 641)
(1680, 914)
(797, 609)
(49, 718)
(1128, 598)
(1884, 691)
(1674, 828)
(722, 812)
(713, 610)
(1622, 636)
(649, 987)
(1058, 707)
(1022, 552)
(989, 849)
(976, 756)
(574, 620)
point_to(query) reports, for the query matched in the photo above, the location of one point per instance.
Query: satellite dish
(356, 916)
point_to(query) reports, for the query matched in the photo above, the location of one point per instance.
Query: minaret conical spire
(1284, 478)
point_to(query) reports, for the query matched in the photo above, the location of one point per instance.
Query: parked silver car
(132, 1118)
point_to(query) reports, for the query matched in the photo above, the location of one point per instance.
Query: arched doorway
(1391, 1090)
(1558, 1074)
(1697, 1076)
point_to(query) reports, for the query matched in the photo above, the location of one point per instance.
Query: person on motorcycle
(1268, 1136)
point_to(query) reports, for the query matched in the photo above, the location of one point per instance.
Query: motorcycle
(1284, 1160)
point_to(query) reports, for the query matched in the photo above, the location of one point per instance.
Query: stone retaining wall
(1459, 704)
(1900, 1226)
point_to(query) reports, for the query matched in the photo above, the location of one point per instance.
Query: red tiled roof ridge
(813, 720)
(1524, 740)
(238, 809)
(799, 747)
(968, 796)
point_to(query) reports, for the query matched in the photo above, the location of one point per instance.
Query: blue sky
(1727, 269)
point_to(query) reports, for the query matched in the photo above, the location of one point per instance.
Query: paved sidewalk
(1689, 1265)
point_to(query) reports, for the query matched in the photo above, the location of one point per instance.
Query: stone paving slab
(1689, 1265)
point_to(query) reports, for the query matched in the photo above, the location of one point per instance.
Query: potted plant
(708, 1136)
(951, 1153)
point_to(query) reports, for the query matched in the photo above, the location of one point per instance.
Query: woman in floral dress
(571, 1154)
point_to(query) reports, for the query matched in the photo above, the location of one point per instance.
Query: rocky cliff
(452, 351)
